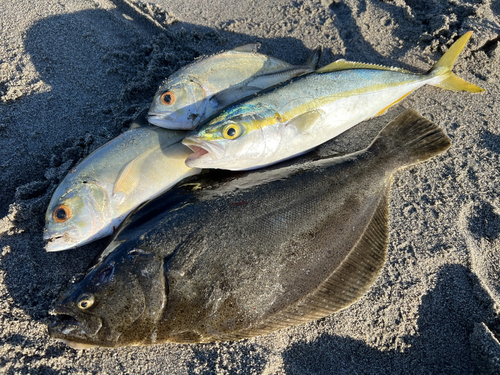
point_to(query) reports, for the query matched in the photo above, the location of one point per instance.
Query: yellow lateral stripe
(312, 105)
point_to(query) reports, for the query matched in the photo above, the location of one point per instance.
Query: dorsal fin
(349, 65)
(249, 48)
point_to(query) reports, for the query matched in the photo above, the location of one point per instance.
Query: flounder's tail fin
(410, 139)
(444, 66)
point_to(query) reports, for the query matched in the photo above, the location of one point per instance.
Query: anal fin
(345, 285)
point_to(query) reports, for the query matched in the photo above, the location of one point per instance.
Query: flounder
(227, 256)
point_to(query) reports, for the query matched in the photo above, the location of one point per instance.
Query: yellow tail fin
(445, 64)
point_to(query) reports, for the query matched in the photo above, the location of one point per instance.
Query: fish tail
(410, 139)
(314, 58)
(444, 66)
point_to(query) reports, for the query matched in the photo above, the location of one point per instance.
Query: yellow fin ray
(390, 105)
(445, 64)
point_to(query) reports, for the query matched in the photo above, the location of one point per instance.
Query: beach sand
(73, 74)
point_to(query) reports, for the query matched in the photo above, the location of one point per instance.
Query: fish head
(237, 138)
(178, 104)
(77, 214)
(117, 303)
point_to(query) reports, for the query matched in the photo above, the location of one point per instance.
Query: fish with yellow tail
(299, 115)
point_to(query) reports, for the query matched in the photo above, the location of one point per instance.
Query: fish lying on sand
(96, 195)
(301, 114)
(202, 88)
(226, 256)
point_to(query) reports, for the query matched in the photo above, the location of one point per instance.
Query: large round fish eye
(85, 301)
(168, 98)
(231, 131)
(61, 213)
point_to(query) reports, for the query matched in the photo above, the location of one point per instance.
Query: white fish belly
(344, 113)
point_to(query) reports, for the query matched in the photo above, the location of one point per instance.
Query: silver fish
(303, 113)
(200, 89)
(231, 256)
(95, 197)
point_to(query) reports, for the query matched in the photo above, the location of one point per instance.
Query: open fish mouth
(70, 328)
(202, 151)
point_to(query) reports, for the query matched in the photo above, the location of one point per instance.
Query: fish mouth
(170, 121)
(56, 242)
(72, 329)
(202, 152)
(158, 120)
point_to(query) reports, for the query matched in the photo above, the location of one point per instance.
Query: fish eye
(168, 98)
(61, 213)
(231, 131)
(85, 301)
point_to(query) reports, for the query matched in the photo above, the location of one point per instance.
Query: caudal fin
(444, 66)
(410, 139)
(314, 58)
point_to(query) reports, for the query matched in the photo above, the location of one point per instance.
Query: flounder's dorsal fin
(249, 48)
(349, 65)
(345, 285)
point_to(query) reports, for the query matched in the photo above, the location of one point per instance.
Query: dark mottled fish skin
(227, 256)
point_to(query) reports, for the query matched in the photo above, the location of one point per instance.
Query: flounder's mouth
(69, 329)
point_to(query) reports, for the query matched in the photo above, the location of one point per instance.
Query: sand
(74, 73)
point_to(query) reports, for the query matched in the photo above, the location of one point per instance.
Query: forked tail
(444, 66)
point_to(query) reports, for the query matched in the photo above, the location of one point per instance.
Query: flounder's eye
(61, 213)
(168, 98)
(85, 301)
(231, 131)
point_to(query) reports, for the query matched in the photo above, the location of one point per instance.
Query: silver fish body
(231, 256)
(200, 89)
(306, 111)
(95, 197)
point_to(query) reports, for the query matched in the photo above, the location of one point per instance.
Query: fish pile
(221, 255)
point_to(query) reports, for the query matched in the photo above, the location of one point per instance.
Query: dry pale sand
(74, 73)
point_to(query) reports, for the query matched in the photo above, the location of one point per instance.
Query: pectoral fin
(229, 96)
(304, 121)
(130, 176)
